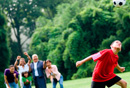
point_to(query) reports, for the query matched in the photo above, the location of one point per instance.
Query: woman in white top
(22, 67)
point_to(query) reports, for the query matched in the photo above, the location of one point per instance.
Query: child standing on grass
(107, 60)
(26, 79)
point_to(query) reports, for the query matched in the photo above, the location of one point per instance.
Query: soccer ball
(119, 2)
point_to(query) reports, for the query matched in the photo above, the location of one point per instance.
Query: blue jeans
(12, 85)
(27, 86)
(60, 82)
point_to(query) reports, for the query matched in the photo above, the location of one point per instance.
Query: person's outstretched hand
(18, 57)
(122, 69)
(78, 63)
(25, 53)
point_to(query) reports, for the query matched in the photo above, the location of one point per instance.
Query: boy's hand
(78, 63)
(122, 69)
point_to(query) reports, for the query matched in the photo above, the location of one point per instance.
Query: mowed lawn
(86, 82)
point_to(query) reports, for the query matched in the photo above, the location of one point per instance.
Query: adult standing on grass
(107, 60)
(37, 69)
(22, 67)
(11, 77)
(54, 75)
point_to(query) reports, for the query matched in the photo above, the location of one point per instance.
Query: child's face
(117, 45)
(26, 74)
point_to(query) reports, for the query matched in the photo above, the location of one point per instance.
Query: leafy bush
(2, 84)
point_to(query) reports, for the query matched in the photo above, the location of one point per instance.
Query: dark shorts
(108, 83)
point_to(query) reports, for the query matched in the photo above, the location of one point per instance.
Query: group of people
(37, 68)
(103, 74)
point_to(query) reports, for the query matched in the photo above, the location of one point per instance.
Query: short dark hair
(25, 72)
(48, 61)
(11, 66)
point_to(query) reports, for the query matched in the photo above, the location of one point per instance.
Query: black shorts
(108, 83)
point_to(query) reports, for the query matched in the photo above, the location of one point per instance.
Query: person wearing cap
(37, 68)
(54, 75)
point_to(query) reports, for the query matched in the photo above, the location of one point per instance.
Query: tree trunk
(18, 37)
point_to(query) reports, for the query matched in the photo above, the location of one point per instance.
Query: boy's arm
(79, 63)
(121, 69)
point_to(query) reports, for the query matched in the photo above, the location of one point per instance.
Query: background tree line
(78, 29)
(66, 31)
(4, 48)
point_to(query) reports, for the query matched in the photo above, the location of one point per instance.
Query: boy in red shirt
(107, 60)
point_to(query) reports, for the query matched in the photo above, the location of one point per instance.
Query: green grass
(86, 82)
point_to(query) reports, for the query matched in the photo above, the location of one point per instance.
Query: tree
(22, 15)
(4, 49)
(80, 29)
(50, 7)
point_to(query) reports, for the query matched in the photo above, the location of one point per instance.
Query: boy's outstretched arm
(79, 63)
(121, 69)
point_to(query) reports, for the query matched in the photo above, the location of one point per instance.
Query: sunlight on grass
(86, 82)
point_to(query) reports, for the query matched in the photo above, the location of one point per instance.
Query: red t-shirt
(106, 62)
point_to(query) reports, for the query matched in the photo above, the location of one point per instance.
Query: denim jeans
(12, 85)
(60, 82)
(27, 86)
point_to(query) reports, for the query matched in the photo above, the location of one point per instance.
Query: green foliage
(5, 54)
(125, 44)
(4, 49)
(107, 42)
(80, 73)
(2, 85)
(79, 29)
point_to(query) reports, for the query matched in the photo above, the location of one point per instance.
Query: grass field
(86, 82)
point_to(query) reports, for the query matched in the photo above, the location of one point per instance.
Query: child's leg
(122, 83)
